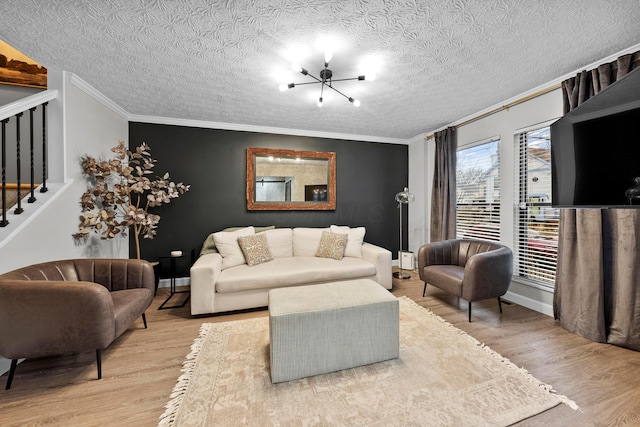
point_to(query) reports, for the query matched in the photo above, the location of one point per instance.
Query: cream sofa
(222, 280)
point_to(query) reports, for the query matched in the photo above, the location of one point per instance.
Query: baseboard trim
(530, 303)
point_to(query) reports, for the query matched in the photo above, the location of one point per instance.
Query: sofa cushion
(355, 239)
(209, 245)
(292, 271)
(255, 249)
(331, 245)
(227, 245)
(127, 306)
(306, 240)
(280, 242)
(446, 277)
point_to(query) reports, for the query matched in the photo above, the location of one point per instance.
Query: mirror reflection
(288, 179)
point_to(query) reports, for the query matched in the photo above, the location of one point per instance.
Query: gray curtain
(443, 197)
(598, 274)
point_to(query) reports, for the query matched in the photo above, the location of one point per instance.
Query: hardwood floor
(142, 366)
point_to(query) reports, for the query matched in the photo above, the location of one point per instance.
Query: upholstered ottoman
(316, 329)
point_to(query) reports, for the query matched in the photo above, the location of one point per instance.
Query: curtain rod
(504, 107)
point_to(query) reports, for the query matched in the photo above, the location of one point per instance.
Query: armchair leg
(500, 305)
(469, 311)
(424, 291)
(144, 319)
(99, 361)
(12, 370)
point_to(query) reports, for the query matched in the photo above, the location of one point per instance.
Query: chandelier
(325, 80)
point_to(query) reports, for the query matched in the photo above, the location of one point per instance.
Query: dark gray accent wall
(213, 162)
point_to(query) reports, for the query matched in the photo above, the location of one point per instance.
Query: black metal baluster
(4, 222)
(44, 188)
(32, 198)
(18, 210)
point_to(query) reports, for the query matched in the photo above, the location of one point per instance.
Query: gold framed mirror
(290, 179)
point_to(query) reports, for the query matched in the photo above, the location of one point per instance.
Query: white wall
(420, 172)
(87, 127)
(9, 93)
(505, 124)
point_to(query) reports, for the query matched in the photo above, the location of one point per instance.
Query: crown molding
(262, 129)
(99, 96)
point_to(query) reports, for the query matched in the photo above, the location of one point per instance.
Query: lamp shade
(404, 196)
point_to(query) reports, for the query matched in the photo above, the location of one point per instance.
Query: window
(478, 191)
(535, 220)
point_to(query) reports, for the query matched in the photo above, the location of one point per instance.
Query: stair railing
(14, 112)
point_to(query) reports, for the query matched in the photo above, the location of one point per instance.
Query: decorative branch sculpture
(121, 194)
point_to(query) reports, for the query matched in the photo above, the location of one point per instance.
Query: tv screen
(595, 150)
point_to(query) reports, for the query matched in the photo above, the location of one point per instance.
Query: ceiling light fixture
(325, 79)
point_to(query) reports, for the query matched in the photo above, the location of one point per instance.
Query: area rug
(443, 377)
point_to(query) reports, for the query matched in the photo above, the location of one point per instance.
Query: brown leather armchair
(471, 269)
(71, 306)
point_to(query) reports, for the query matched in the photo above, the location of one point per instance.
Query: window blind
(478, 191)
(536, 222)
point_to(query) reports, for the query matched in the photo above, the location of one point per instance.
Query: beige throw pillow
(332, 245)
(255, 249)
(227, 245)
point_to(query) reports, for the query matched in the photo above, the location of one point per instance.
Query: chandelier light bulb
(371, 77)
(296, 67)
(355, 102)
(320, 102)
(283, 87)
(328, 54)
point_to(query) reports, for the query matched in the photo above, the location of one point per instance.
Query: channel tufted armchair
(470, 269)
(71, 306)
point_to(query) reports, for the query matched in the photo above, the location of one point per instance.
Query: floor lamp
(403, 198)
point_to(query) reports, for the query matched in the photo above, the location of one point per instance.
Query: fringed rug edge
(168, 418)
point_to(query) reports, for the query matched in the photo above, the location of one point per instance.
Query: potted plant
(121, 193)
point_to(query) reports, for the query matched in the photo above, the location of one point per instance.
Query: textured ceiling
(222, 61)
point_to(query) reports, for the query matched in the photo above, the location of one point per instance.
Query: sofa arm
(487, 274)
(381, 258)
(44, 318)
(204, 274)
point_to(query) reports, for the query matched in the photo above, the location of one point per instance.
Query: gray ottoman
(316, 329)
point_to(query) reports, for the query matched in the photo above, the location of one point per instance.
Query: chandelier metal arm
(349, 98)
(328, 84)
(352, 78)
(307, 83)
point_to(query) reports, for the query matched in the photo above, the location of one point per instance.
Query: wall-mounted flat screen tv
(595, 150)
